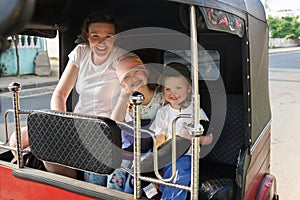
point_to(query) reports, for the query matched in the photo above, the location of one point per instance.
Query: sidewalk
(34, 81)
(28, 81)
(31, 81)
(284, 49)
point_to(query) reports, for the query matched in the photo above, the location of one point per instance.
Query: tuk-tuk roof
(48, 15)
(252, 7)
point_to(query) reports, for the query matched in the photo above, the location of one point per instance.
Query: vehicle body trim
(261, 135)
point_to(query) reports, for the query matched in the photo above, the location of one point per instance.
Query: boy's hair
(122, 70)
(175, 69)
(126, 55)
(96, 17)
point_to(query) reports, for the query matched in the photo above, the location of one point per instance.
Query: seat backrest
(232, 137)
(87, 143)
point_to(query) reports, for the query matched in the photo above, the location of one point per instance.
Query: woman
(89, 69)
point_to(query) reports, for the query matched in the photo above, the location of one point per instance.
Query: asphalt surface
(31, 81)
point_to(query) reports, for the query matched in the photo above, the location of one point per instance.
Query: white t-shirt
(165, 116)
(97, 85)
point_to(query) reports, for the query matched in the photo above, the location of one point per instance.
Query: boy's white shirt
(165, 116)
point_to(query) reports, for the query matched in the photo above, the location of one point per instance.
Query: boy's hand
(184, 132)
(206, 139)
(160, 139)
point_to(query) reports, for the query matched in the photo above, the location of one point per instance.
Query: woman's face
(176, 90)
(134, 79)
(100, 37)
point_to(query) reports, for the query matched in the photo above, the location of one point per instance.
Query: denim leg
(95, 178)
(183, 177)
(116, 180)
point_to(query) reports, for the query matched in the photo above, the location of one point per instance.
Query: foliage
(284, 27)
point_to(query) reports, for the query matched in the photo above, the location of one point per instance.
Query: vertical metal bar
(15, 87)
(137, 99)
(196, 106)
(155, 154)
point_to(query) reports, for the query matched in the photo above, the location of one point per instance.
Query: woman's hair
(96, 17)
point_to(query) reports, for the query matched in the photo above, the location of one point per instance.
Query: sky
(275, 5)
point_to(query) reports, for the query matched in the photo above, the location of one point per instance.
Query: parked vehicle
(225, 43)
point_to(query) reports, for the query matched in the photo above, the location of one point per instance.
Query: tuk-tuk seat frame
(84, 142)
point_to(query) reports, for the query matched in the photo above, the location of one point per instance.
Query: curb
(284, 50)
(30, 86)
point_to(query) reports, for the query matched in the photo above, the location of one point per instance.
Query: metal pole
(197, 129)
(15, 87)
(137, 99)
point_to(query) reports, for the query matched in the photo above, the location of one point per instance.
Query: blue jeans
(116, 180)
(183, 177)
(95, 178)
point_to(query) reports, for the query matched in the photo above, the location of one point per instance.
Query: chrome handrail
(2, 144)
(196, 130)
(173, 154)
(15, 87)
(137, 152)
(6, 127)
(137, 99)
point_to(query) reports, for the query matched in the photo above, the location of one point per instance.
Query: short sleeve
(159, 125)
(203, 115)
(117, 53)
(77, 54)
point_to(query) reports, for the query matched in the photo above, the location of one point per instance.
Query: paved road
(285, 101)
(30, 99)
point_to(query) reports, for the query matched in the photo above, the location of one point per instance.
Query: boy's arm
(160, 138)
(120, 109)
(158, 126)
(206, 139)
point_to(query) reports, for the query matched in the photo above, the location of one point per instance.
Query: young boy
(177, 91)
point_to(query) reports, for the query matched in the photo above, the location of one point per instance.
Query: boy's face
(176, 90)
(135, 78)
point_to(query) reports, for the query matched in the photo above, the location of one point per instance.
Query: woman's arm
(64, 87)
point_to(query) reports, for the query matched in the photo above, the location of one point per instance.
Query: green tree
(285, 27)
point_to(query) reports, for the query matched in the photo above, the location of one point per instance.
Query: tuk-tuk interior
(224, 167)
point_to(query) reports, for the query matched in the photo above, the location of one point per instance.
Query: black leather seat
(82, 142)
(218, 167)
